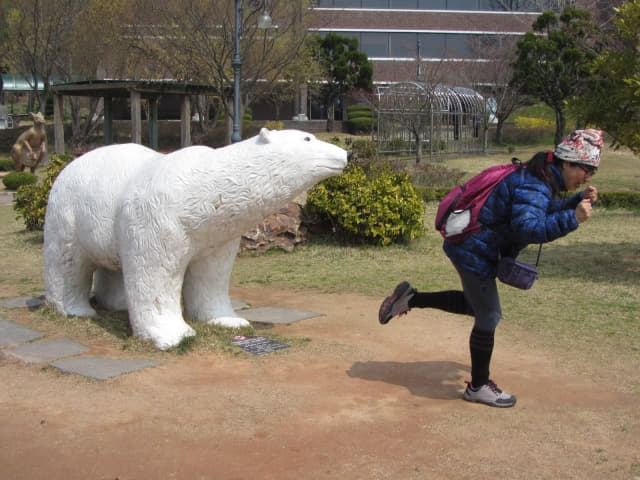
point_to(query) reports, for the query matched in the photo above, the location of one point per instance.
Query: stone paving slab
(277, 315)
(101, 368)
(15, 334)
(46, 350)
(238, 304)
(21, 302)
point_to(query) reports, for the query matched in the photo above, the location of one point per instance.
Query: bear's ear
(265, 135)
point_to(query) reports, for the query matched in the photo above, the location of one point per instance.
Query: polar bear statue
(148, 230)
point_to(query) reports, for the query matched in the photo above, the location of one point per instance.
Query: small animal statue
(149, 230)
(31, 146)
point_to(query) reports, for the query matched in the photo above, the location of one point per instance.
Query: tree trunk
(330, 114)
(418, 137)
(560, 125)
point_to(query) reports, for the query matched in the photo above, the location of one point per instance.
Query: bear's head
(297, 160)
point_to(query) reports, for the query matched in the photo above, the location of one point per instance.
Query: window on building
(408, 4)
(346, 3)
(375, 44)
(403, 45)
(432, 45)
(458, 45)
(432, 4)
(462, 4)
(375, 3)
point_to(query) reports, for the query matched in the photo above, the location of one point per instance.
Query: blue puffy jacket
(520, 210)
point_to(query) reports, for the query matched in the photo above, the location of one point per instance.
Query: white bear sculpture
(147, 229)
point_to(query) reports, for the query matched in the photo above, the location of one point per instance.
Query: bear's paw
(229, 322)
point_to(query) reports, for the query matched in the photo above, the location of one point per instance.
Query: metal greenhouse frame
(416, 119)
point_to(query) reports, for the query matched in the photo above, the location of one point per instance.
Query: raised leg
(206, 288)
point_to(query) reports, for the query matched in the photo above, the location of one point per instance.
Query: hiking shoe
(397, 303)
(489, 394)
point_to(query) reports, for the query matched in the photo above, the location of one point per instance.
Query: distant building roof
(123, 88)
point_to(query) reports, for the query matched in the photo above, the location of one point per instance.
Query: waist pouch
(517, 274)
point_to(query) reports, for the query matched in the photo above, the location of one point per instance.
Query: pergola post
(153, 122)
(58, 124)
(136, 117)
(185, 121)
(108, 120)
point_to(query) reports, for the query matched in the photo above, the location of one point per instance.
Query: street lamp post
(264, 22)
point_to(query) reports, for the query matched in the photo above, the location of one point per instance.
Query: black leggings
(451, 301)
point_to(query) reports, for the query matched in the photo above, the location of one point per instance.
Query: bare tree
(37, 32)
(193, 40)
(492, 77)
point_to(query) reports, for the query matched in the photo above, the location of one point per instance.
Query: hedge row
(627, 199)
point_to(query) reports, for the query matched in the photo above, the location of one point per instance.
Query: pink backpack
(457, 215)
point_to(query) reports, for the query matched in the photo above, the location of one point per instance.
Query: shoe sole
(495, 405)
(402, 289)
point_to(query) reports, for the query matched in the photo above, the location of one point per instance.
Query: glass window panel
(403, 45)
(494, 5)
(375, 44)
(462, 4)
(346, 3)
(375, 3)
(432, 4)
(325, 3)
(432, 45)
(403, 4)
(458, 45)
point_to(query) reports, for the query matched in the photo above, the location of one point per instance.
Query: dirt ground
(357, 401)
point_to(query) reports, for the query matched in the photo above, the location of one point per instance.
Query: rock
(280, 230)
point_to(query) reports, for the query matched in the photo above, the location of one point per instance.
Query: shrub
(6, 165)
(364, 149)
(531, 122)
(274, 125)
(629, 200)
(360, 118)
(436, 175)
(379, 207)
(360, 125)
(31, 200)
(15, 180)
(359, 110)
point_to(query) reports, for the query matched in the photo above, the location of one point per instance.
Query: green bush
(375, 207)
(359, 110)
(432, 194)
(31, 200)
(6, 165)
(15, 180)
(364, 149)
(360, 118)
(274, 125)
(360, 125)
(629, 200)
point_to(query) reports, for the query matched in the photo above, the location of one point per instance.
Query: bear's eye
(307, 139)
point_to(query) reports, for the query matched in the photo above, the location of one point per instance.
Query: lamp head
(265, 21)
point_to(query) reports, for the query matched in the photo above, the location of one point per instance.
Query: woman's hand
(583, 210)
(590, 193)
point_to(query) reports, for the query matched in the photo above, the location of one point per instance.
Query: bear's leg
(153, 298)
(68, 279)
(206, 288)
(108, 286)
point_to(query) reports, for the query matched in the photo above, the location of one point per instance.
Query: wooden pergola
(136, 90)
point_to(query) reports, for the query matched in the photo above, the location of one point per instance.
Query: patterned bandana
(582, 146)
